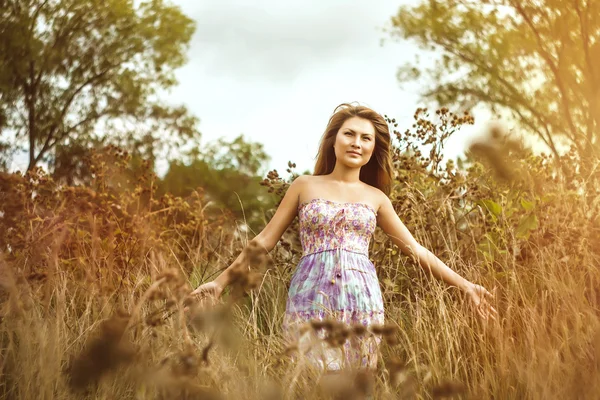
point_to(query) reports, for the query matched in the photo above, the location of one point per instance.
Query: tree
(230, 173)
(538, 61)
(82, 71)
(246, 157)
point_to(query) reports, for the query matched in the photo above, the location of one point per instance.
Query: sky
(275, 70)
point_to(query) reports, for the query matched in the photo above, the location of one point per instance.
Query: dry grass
(93, 301)
(60, 340)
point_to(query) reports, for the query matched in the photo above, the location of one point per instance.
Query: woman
(338, 208)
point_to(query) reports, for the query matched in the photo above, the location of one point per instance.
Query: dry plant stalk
(534, 238)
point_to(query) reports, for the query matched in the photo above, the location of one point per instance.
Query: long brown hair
(378, 172)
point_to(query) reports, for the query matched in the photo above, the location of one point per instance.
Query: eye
(348, 133)
(368, 138)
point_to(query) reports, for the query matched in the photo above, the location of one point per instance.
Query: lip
(353, 152)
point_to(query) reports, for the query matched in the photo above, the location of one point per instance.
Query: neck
(344, 174)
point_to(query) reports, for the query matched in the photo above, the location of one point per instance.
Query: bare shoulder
(380, 199)
(302, 180)
(310, 178)
(300, 185)
(308, 185)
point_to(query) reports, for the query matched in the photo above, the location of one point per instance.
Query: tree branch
(48, 146)
(553, 68)
(583, 27)
(59, 36)
(509, 104)
(52, 130)
(586, 42)
(513, 93)
(35, 15)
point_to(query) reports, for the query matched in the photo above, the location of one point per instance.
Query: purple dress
(335, 279)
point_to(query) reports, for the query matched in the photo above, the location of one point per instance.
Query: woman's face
(354, 142)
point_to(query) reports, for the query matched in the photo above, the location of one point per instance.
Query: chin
(355, 165)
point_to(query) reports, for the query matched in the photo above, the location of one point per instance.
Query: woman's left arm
(391, 224)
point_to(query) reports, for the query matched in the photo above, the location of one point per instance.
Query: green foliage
(247, 157)
(536, 60)
(494, 208)
(79, 71)
(95, 277)
(228, 173)
(527, 224)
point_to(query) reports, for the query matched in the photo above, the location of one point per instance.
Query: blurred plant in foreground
(95, 284)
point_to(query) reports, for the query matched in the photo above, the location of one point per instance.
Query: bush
(95, 283)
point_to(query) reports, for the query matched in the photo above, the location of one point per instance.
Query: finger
(489, 309)
(481, 314)
(492, 313)
(485, 312)
(208, 300)
(485, 303)
(197, 296)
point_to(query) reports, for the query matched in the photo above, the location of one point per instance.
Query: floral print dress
(335, 280)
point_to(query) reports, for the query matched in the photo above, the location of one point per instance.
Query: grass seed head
(101, 354)
(395, 367)
(205, 352)
(389, 329)
(359, 330)
(377, 329)
(448, 389)
(364, 382)
(291, 349)
(391, 340)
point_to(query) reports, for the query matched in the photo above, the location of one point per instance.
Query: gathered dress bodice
(329, 225)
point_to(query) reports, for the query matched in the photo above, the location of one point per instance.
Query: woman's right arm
(266, 239)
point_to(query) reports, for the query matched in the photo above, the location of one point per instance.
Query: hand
(210, 291)
(480, 298)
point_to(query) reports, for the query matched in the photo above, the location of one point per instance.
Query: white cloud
(276, 41)
(275, 71)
